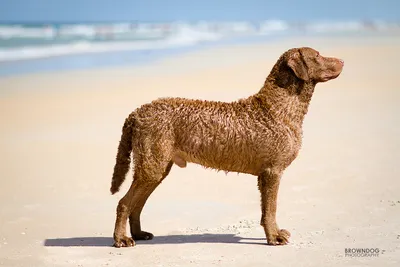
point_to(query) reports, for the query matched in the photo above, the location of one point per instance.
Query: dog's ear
(298, 66)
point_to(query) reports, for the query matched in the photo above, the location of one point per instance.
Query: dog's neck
(285, 96)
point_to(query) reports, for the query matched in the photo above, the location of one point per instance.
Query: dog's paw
(124, 242)
(281, 238)
(142, 236)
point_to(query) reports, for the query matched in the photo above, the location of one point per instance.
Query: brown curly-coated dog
(260, 135)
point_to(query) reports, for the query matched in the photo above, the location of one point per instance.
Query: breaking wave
(29, 41)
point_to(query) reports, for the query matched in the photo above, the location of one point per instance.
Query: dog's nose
(341, 61)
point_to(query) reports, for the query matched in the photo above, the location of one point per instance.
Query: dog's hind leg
(134, 218)
(131, 205)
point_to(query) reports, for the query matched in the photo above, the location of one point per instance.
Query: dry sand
(59, 134)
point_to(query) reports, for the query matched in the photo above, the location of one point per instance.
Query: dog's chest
(279, 147)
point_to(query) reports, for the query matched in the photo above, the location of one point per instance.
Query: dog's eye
(317, 55)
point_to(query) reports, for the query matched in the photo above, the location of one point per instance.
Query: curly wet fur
(259, 135)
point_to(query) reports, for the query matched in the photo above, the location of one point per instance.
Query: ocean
(45, 47)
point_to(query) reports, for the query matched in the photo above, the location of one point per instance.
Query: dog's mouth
(335, 75)
(330, 76)
(334, 72)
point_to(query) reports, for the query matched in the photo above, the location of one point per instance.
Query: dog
(260, 135)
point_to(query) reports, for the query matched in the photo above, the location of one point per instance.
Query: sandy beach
(59, 135)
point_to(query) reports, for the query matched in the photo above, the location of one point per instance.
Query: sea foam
(24, 41)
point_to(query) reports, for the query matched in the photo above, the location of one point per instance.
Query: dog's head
(308, 65)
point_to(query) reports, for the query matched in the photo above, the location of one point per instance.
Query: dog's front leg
(268, 184)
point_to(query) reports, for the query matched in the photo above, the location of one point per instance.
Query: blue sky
(164, 10)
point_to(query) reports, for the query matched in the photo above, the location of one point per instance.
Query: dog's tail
(123, 159)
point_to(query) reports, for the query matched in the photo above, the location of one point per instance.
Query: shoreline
(138, 58)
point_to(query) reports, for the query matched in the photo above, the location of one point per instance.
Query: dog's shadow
(157, 240)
